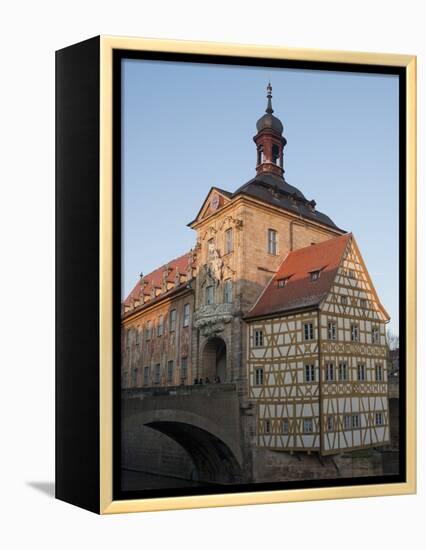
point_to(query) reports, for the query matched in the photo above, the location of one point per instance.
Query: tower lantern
(269, 141)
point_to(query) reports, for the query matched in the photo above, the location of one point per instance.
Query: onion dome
(268, 121)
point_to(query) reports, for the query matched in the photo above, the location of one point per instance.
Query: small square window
(315, 275)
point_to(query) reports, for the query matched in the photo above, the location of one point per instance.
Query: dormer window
(315, 275)
(282, 282)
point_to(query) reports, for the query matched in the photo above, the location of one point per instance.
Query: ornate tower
(269, 141)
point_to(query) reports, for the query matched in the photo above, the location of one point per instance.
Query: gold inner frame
(107, 504)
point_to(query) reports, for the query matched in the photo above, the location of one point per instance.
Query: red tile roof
(299, 290)
(155, 278)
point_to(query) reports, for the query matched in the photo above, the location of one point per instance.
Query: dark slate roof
(275, 190)
(300, 291)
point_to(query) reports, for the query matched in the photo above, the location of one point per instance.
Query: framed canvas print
(235, 274)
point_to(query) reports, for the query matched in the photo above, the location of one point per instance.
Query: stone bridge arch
(213, 445)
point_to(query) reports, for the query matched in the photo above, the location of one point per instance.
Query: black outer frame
(77, 271)
(77, 275)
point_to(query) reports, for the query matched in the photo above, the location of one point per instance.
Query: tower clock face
(214, 203)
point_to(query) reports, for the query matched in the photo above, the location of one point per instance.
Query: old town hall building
(275, 298)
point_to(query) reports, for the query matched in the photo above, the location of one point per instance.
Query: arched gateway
(214, 359)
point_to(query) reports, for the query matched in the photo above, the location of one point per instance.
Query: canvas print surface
(260, 290)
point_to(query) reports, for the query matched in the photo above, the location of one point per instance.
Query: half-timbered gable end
(317, 353)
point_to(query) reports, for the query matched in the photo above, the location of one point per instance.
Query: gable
(353, 281)
(216, 199)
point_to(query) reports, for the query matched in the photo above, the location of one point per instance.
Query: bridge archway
(216, 458)
(214, 359)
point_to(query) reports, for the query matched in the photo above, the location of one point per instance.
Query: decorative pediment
(215, 201)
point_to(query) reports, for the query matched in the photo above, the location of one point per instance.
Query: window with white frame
(379, 419)
(354, 333)
(343, 371)
(186, 314)
(379, 372)
(308, 331)
(355, 421)
(258, 338)
(172, 320)
(309, 373)
(258, 376)
(332, 330)
(272, 242)
(347, 423)
(227, 291)
(363, 303)
(282, 282)
(308, 425)
(344, 300)
(329, 372)
(361, 372)
(229, 241)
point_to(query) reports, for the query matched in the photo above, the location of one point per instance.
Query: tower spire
(269, 108)
(269, 140)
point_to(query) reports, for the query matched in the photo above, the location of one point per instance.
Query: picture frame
(88, 270)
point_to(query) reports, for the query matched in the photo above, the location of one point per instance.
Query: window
(351, 273)
(309, 373)
(228, 291)
(315, 275)
(137, 337)
(330, 423)
(351, 421)
(210, 249)
(308, 426)
(308, 331)
(331, 330)
(284, 426)
(267, 426)
(363, 303)
(379, 372)
(145, 376)
(258, 338)
(184, 368)
(344, 300)
(275, 154)
(229, 241)
(186, 315)
(128, 338)
(281, 283)
(375, 335)
(157, 374)
(272, 242)
(343, 371)
(329, 372)
(258, 377)
(379, 419)
(170, 368)
(148, 330)
(172, 320)
(361, 372)
(355, 421)
(209, 294)
(354, 333)
(160, 326)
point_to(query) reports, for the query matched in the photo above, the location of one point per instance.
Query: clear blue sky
(188, 127)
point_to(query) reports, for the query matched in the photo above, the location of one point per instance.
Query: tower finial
(269, 108)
